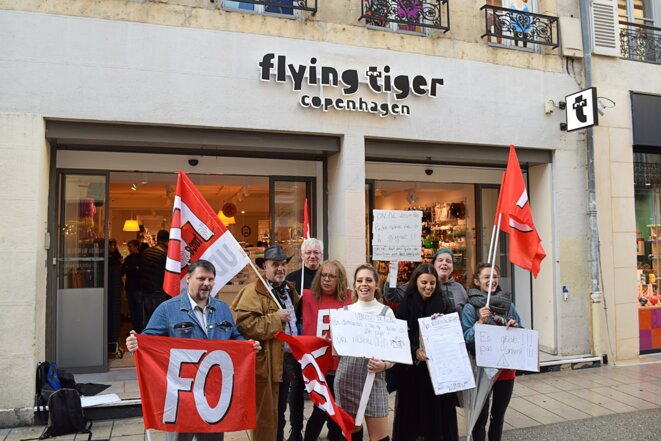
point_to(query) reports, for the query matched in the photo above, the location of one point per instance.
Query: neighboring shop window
(280, 9)
(647, 185)
(515, 22)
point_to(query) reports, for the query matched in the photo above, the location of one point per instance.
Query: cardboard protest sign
(189, 385)
(370, 336)
(506, 348)
(396, 235)
(449, 366)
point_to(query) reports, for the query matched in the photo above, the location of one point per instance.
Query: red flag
(314, 354)
(196, 233)
(189, 385)
(526, 249)
(306, 221)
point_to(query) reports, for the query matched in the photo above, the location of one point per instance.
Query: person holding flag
(499, 312)
(329, 291)
(259, 316)
(193, 314)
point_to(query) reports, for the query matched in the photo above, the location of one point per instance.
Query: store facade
(273, 120)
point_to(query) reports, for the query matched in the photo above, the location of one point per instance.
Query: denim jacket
(175, 318)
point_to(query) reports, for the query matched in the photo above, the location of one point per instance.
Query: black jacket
(152, 268)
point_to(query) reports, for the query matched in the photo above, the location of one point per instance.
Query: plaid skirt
(349, 381)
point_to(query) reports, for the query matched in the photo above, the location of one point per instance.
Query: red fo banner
(196, 233)
(314, 355)
(306, 221)
(525, 245)
(189, 385)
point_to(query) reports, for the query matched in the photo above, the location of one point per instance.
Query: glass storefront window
(288, 206)
(647, 193)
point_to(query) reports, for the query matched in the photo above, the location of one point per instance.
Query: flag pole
(302, 277)
(493, 262)
(493, 236)
(268, 287)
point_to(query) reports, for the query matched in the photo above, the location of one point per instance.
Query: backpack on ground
(65, 415)
(47, 382)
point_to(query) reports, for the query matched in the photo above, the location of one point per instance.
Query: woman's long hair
(425, 268)
(340, 278)
(377, 294)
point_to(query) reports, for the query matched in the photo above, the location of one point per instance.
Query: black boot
(357, 436)
(387, 438)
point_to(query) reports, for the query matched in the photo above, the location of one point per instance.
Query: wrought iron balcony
(409, 14)
(521, 27)
(285, 6)
(640, 42)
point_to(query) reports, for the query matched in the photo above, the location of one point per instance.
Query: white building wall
(24, 161)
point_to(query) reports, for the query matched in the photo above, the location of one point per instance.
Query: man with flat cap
(260, 317)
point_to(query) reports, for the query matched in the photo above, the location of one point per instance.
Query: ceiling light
(131, 225)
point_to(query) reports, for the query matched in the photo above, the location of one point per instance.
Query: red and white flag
(315, 356)
(306, 221)
(189, 385)
(196, 233)
(525, 249)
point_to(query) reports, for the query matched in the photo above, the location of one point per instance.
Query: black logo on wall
(379, 80)
(582, 109)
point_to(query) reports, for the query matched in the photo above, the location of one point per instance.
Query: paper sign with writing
(449, 366)
(507, 348)
(396, 235)
(370, 336)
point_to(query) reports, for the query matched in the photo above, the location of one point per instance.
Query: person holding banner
(329, 291)
(312, 251)
(193, 314)
(418, 411)
(442, 260)
(500, 312)
(352, 371)
(258, 316)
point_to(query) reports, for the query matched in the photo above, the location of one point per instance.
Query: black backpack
(65, 415)
(47, 382)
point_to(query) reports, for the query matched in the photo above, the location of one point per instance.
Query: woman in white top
(352, 371)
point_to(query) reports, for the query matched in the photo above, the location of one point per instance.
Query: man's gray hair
(312, 241)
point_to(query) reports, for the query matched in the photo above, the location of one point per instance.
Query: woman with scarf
(419, 412)
(328, 291)
(500, 312)
(352, 371)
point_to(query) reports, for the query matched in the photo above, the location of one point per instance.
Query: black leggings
(501, 394)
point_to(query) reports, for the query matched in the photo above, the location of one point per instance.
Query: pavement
(621, 402)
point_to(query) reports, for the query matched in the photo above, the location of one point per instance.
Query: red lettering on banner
(189, 385)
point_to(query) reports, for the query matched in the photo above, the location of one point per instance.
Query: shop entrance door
(81, 272)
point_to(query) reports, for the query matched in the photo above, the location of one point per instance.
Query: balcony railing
(285, 6)
(640, 43)
(521, 27)
(433, 14)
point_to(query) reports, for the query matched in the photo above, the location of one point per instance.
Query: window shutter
(605, 28)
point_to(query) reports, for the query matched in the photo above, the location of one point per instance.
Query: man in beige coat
(260, 317)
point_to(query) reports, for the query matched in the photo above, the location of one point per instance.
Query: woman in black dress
(418, 411)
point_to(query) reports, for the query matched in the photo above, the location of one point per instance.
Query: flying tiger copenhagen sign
(381, 81)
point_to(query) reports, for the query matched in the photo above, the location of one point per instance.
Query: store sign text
(380, 81)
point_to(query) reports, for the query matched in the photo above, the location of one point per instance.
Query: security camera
(429, 172)
(193, 162)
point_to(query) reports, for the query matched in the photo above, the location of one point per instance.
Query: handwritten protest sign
(370, 336)
(507, 348)
(396, 235)
(449, 366)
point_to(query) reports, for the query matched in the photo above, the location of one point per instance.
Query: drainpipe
(595, 276)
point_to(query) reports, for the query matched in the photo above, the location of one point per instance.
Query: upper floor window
(636, 11)
(411, 16)
(639, 39)
(287, 8)
(516, 24)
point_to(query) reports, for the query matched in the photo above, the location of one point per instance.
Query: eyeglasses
(312, 253)
(328, 276)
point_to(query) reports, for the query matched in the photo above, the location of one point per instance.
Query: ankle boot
(357, 436)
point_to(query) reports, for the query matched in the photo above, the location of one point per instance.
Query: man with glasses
(312, 253)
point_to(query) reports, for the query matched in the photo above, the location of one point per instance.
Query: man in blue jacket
(193, 314)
